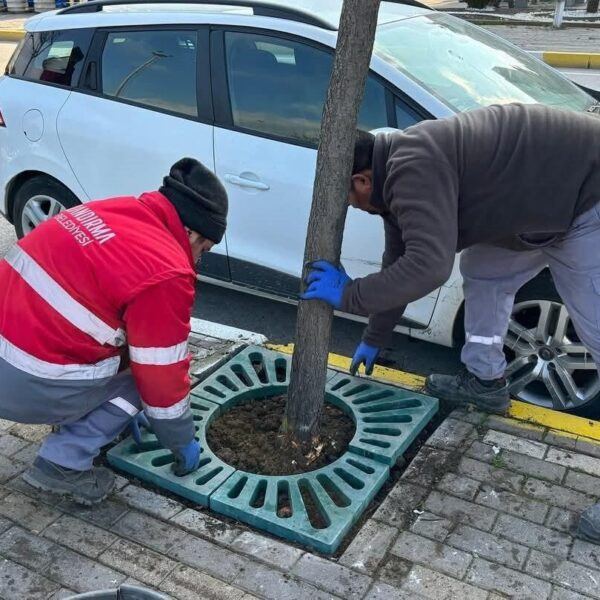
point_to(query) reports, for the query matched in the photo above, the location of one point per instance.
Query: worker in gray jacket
(516, 188)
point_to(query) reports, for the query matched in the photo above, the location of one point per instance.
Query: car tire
(37, 200)
(543, 349)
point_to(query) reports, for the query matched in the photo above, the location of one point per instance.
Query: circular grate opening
(248, 437)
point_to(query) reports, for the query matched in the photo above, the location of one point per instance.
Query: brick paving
(485, 511)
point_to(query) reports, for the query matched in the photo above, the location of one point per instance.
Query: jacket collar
(162, 208)
(381, 151)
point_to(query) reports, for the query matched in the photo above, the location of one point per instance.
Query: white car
(101, 98)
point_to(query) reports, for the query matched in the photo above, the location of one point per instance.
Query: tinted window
(152, 68)
(52, 56)
(278, 87)
(405, 115)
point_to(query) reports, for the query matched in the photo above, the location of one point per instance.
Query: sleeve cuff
(174, 434)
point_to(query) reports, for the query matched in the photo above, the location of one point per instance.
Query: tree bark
(592, 6)
(328, 213)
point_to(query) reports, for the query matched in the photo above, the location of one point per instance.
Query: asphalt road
(587, 77)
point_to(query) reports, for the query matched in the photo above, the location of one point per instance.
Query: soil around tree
(248, 437)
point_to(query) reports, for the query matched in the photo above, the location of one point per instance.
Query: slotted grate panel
(387, 418)
(316, 508)
(152, 462)
(253, 373)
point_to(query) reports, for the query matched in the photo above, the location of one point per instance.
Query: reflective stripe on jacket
(98, 282)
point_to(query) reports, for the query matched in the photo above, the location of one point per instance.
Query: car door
(143, 103)
(269, 96)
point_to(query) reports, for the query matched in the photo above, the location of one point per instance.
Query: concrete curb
(577, 60)
(11, 35)
(224, 332)
(581, 60)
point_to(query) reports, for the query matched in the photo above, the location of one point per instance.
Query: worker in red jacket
(95, 307)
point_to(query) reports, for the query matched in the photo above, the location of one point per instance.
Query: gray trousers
(90, 414)
(492, 276)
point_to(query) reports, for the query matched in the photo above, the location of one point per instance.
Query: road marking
(559, 422)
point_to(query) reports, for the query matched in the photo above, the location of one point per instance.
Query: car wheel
(547, 363)
(37, 200)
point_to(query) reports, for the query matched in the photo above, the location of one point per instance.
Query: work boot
(588, 527)
(85, 487)
(466, 388)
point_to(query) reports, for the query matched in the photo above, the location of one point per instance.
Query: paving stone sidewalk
(540, 39)
(484, 511)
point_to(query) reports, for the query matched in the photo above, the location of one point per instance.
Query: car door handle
(245, 182)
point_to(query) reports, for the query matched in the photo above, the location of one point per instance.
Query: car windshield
(466, 67)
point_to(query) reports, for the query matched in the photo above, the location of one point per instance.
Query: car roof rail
(259, 8)
(262, 9)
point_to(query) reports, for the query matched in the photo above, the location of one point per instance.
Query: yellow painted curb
(559, 422)
(571, 424)
(577, 60)
(11, 35)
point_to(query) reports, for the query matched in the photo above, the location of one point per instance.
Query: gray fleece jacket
(512, 175)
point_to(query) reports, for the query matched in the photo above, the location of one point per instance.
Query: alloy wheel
(547, 363)
(38, 209)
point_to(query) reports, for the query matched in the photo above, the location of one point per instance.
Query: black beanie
(198, 197)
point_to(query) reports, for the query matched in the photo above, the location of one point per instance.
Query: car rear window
(51, 56)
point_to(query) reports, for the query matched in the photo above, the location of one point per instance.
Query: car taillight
(2, 122)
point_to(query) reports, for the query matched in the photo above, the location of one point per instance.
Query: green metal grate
(253, 373)
(337, 493)
(387, 420)
(153, 462)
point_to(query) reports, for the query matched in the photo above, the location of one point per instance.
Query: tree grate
(316, 508)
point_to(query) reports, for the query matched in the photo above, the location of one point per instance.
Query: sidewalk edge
(225, 332)
(561, 423)
(11, 35)
(573, 60)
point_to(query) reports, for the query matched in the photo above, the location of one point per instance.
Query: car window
(467, 67)
(278, 87)
(405, 115)
(152, 68)
(52, 56)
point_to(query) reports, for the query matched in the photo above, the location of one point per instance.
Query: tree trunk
(592, 6)
(328, 213)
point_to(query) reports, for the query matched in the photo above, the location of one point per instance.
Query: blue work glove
(140, 420)
(364, 354)
(326, 282)
(187, 459)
